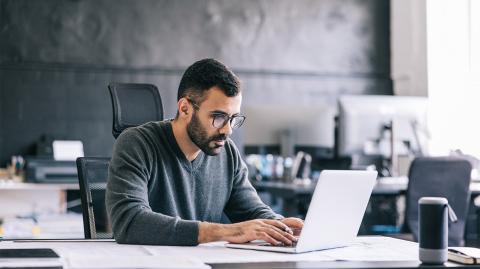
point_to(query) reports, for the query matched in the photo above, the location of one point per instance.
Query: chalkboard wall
(57, 57)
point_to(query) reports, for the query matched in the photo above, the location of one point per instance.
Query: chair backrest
(92, 175)
(444, 177)
(134, 104)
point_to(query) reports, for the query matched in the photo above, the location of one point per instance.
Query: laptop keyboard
(294, 244)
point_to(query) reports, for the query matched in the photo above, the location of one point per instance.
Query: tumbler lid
(433, 200)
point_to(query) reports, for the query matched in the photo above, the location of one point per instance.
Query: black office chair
(134, 104)
(92, 174)
(439, 176)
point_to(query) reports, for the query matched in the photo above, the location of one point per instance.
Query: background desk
(290, 192)
(37, 210)
(384, 186)
(293, 193)
(386, 205)
(25, 198)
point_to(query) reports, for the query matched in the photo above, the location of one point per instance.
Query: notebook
(29, 257)
(465, 255)
(335, 213)
(16, 253)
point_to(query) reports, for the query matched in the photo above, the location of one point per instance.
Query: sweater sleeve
(244, 202)
(133, 221)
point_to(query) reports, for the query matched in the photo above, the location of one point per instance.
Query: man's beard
(199, 137)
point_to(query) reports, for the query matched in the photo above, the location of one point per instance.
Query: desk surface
(342, 264)
(367, 252)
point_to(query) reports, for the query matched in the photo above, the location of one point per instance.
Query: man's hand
(295, 224)
(274, 232)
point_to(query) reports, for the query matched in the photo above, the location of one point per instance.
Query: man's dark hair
(205, 74)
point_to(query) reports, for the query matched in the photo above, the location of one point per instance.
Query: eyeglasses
(221, 119)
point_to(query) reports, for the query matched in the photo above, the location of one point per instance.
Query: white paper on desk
(67, 150)
(119, 262)
(103, 249)
(216, 252)
(365, 248)
(376, 248)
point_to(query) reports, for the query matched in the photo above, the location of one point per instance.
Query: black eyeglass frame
(225, 117)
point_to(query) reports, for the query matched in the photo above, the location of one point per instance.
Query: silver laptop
(335, 213)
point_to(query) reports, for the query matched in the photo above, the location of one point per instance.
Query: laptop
(335, 213)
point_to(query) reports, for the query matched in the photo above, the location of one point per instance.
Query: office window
(475, 41)
(453, 45)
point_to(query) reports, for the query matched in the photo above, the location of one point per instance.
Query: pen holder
(433, 229)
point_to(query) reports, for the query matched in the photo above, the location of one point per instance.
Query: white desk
(365, 249)
(19, 198)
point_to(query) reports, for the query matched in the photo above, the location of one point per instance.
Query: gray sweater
(156, 196)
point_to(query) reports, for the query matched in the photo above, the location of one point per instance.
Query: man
(170, 182)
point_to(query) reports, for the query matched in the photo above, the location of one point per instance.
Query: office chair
(92, 174)
(134, 104)
(439, 176)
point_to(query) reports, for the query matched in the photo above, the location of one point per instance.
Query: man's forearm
(209, 232)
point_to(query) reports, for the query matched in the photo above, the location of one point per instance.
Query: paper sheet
(371, 248)
(120, 262)
(67, 150)
(376, 249)
(217, 253)
(104, 249)
(108, 254)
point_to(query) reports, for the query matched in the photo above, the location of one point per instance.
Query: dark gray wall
(57, 57)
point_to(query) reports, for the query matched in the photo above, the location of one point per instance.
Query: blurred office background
(296, 60)
(57, 57)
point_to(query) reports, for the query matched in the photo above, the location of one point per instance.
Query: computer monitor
(365, 122)
(295, 126)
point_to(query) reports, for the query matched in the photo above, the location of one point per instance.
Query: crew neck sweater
(156, 196)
